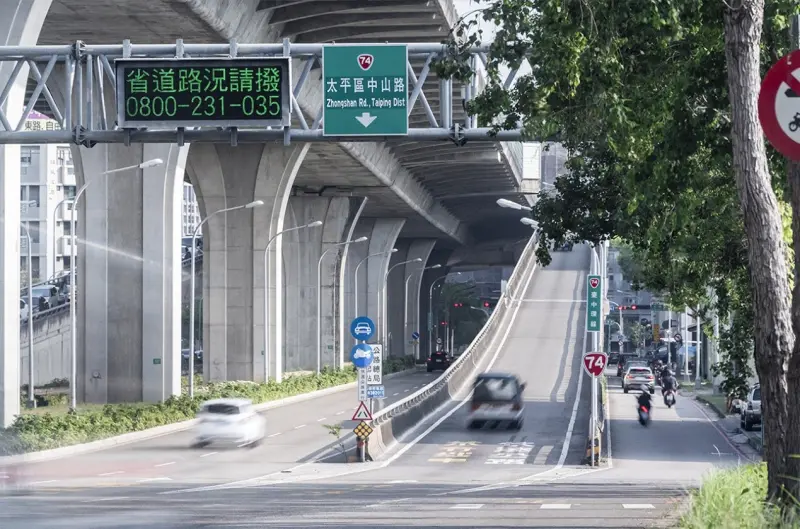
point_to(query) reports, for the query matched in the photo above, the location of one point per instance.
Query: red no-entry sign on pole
(779, 105)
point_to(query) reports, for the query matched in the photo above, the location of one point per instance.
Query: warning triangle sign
(362, 413)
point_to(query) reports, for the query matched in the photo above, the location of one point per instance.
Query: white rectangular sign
(362, 383)
(375, 369)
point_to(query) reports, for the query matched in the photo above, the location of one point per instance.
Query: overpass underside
(398, 193)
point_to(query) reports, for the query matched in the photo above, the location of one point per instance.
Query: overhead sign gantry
(236, 93)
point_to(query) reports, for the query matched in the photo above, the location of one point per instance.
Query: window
(222, 409)
(757, 394)
(64, 156)
(69, 191)
(500, 389)
(35, 267)
(33, 196)
(67, 228)
(67, 262)
(27, 153)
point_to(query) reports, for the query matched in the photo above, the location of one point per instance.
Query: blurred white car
(497, 398)
(229, 421)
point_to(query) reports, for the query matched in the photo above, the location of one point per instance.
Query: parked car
(229, 421)
(438, 361)
(24, 312)
(497, 398)
(751, 411)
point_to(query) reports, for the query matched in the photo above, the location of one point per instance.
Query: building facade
(47, 187)
(191, 212)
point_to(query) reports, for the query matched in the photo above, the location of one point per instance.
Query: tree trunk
(774, 337)
(793, 375)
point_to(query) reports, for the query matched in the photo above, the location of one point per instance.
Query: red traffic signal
(633, 307)
(486, 304)
(456, 304)
(444, 323)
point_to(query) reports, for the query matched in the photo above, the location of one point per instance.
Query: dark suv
(438, 361)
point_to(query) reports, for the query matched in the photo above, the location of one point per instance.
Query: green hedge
(44, 431)
(734, 499)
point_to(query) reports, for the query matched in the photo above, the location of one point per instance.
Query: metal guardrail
(475, 350)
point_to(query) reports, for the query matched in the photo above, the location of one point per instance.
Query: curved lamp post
(355, 283)
(405, 321)
(312, 224)
(319, 296)
(383, 297)
(73, 290)
(249, 205)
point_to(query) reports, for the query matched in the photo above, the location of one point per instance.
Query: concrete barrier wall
(51, 348)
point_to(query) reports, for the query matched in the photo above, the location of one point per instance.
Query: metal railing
(462, 368)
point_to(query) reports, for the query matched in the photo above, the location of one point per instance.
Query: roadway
(447, 476)
(295, 433)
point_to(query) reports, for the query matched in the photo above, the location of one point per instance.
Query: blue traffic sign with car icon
(361, 355)
(362, 328)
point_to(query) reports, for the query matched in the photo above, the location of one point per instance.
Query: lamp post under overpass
(405, 321)
(355, 281)
(249, 205)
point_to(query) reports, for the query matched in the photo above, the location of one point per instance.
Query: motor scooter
(644, 415)
(669, 398)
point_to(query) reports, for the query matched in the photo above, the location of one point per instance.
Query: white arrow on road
(366, 119)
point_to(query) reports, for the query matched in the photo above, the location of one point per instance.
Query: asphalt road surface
(294, 433)
(451, 477)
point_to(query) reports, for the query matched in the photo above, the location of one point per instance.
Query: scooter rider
(645, 400)
(668, 382)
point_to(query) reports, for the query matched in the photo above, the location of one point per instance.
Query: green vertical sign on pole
(365, 89)
(593, 306)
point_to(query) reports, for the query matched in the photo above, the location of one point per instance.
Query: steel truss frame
(84, 118)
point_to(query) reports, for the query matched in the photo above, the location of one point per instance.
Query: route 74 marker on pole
(365, 90)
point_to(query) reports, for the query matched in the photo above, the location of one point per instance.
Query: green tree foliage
(466, 319)
(638, 93)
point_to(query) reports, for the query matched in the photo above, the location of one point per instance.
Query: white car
(497, 399)
(229, 421)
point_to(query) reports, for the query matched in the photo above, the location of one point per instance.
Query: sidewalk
(730, 423)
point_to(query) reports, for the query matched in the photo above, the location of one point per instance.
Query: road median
(46, 436)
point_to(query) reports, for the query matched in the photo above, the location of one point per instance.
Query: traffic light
(486, 304)
(444, 323)
(457, 305)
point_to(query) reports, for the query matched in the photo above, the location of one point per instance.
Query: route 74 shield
(595, 363)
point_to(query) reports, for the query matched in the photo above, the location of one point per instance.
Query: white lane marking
(399, 481)
(637, 506)
(111, 473)
(322, 419)
(170, 463)
(395, 394)
(556, 506)
(447, 415)
(339, 412)
(208, 454)
(148, 480)
(301, 426)
(541, 456)
(406, 390)
(275, 434)
(260, 480)
(43, 482)
(470, 506)
(95, 500)
(527, 300)
(416, 387)
(574, 416)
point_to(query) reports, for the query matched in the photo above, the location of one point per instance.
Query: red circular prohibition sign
(778, 74)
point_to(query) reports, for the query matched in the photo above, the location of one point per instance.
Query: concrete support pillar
(361, 293)
(412, 279)
(129, 273)
(428, 323)
(395, 302)
(303, 250)
(382, 235)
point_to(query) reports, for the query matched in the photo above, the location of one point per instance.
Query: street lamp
(249, 205)
(73, 290)
(510, 204)
(382, 297)
(31, 397)
(55, 212)
(355, 282)
(430, 310)
(405, 321)
(529, 222)
(319, 296)
(312, 224)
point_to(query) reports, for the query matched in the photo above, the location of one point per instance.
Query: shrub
(734, 499)
(45, 431)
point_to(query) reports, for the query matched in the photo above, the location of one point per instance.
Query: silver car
(497, 400)
(751, 410)
(637, 377)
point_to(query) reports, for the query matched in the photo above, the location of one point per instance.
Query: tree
(466, 318)
(656, 102)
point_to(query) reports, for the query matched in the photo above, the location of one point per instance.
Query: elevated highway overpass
(424, 199)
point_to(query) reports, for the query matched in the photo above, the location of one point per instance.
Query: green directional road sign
(365, 89)
(594, 286)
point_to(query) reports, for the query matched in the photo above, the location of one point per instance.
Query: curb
(753, 441)
(720, 413)
(159, 431)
